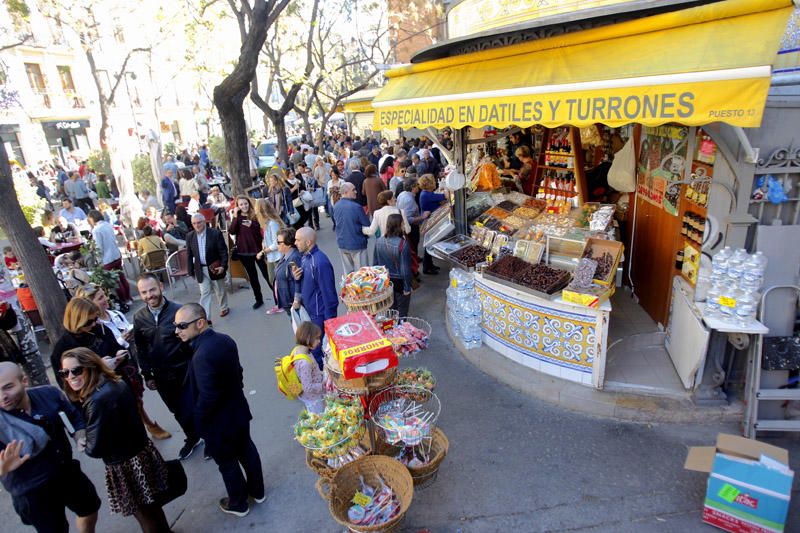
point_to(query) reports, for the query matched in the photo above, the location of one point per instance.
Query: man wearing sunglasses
(163, 357)
(36, 464)
(221, 413)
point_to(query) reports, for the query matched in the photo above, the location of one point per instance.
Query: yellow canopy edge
(358, 107)
(705, 64)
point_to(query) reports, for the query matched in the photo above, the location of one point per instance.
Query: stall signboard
(70, 124)
(662, 162)
(474, 16)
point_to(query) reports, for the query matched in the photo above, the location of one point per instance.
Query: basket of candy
(409, 335)
(334, 432)
(367, 289)
(416, 377)
(406, 415)
(358, 386)
(423, 461)
(327, 468)
(370, 494)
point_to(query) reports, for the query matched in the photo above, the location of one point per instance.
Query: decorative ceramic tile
(549, 334)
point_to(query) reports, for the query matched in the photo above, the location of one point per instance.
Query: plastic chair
(178, 267)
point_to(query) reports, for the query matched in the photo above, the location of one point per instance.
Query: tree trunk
(234, 131)
(307, 128)
(283, 143)
(49, 297)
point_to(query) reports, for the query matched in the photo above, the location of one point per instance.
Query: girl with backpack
(308, 336)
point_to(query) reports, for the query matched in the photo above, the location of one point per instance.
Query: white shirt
(118, 325)
(193, 207)
(381, 216)
(103, 235)
(201, 247)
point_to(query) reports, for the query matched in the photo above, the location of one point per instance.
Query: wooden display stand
(548, 174)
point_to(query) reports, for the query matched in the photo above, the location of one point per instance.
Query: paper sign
(728, 493)
(363, 500)
(727, 301)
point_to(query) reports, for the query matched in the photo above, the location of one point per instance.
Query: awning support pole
(750, 153)
(460, 200)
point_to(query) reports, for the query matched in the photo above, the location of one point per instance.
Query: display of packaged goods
(517, 197)
(607, 255)
(471, 255)
(538, 278)
(497, 212)
(515, 222)
(528, 251)
(556, 219)
(499, 241)
(359, 345)
(453, 244)
(417, 377)
(478, 233)
(410, 336)
(508, 205)
(333, 432)
(527, 212)
(365, 282)
(536, 203)
(373, 506)
(593, 297)
(477, 203)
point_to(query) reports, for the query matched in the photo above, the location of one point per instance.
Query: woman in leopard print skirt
(136, 474)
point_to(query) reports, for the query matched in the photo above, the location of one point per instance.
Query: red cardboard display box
(358, 344)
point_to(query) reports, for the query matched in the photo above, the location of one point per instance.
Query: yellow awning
(364, 106)
(695, 66)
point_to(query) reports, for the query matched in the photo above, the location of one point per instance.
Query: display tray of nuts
(471, 255)
(540, 280)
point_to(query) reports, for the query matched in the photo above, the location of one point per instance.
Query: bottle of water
(755, 269)
(746, 307)
(727, 303)
(736, 265)
(471, 321)
(719, 264)
(712, 301)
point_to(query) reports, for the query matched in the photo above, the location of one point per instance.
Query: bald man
(220, 411)
(36, 464)
(318, 286)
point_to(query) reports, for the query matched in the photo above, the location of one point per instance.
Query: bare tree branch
(121, 74)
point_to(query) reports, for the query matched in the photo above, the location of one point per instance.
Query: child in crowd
(11, 259)
(308, 337)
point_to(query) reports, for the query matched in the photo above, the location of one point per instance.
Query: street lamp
(133, 111)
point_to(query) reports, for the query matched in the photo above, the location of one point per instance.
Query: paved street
(515, 463)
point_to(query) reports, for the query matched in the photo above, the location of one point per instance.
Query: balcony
(52, 103)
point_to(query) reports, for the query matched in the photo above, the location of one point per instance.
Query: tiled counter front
(555, 337)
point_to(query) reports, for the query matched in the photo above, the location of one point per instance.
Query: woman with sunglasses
(285, 286)
(136, 474)
(89, 326)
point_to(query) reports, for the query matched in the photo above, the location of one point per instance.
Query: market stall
(545, 274)
(376, 440)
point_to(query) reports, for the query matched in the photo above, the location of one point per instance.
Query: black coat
(101, 341)
(215, 394)
(216, 250)
(114, 430)
(357, 179)
(161, 353)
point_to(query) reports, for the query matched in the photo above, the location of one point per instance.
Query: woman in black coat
(136, 474)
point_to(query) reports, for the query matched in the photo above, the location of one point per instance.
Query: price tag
(727, 302)
(728, 493)
(363, 500)
(453, 283)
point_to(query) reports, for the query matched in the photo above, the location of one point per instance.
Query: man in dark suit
(220, 411)
(208, 254)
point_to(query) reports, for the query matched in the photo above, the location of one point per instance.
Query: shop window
(37, 83)
(176, 132)
(68, 86)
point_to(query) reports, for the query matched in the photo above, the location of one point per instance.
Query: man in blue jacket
(36, 464)
(221, 415)
(169, 191)
(317, 282)
(350, 219)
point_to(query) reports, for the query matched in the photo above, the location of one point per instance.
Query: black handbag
(176, 483)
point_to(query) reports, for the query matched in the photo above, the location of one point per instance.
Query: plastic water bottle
(729, 296)
(755, 269)
(746, 307)
(719, 264)
(471, 321)
(712, 301)
(736, 265)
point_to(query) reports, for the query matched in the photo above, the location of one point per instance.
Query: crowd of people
(105, 362)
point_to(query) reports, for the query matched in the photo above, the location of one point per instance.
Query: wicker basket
(425, 474)
(340, 490)
(374, 303)
(320, 466)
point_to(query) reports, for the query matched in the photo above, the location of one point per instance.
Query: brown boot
(157, 432)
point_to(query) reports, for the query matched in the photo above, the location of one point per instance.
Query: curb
(607, 404)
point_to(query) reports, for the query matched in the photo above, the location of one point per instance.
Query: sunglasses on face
(65, 372)
(90, 323)
(184, 325)
(279, 242)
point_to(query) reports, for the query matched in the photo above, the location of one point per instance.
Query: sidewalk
(515, 464)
